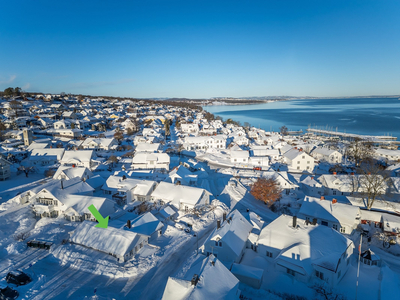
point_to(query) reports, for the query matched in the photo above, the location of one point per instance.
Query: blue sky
(201, 48)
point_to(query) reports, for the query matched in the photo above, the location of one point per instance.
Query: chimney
(314, 221)
(224, 217)
(322, 198)
(62, 185)
(301, 149)
(128, 224)
(352, 173)
(334, 173)
(195, 279)
(218, 224)
(334, 201)
(295, 148)
(294, 221)
(73, 165)
(312, 178)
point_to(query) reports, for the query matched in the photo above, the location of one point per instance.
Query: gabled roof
(108, 240)
(77, 155)
(324, 209)
(145, 224)
(39, 154)
(176, 194)
(305, 245)
(215, 282)
(233, 232)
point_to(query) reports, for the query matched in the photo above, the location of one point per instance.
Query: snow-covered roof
(326, 210)
(215, 282)
(233, 232)
(39, 154)
(81, 203)
(145, 224)
(96, 181)
(71, 172)
(247, 271)
(177, 193)
(105, 142)
(108, 240)
(138, 186)
(77, 155)
(144, 157)
(147, 147)
(304, 245)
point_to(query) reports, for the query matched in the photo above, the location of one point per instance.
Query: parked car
(18, 278)
(7, 293)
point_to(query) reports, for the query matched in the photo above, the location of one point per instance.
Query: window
(342, 229)
(334, 192)
(298, 168)
(319, 274)
(289, 271)
(335, 226)
(374, 263)
(324, 223)
(303, 157)
(308, 161)
(269, 254)
(298, 162)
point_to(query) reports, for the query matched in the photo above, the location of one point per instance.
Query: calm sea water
(370, 116)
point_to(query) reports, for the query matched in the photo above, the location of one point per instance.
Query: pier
(377, 139)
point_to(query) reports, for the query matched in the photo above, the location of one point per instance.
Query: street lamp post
(359, 259)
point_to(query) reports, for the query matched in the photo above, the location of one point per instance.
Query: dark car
(18, 278)
(7, 293)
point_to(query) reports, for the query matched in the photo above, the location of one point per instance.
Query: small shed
(248, 275)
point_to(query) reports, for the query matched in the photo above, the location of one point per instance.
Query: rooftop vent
(218, 224)
(334, 201)
(322, 198)
(294, 221)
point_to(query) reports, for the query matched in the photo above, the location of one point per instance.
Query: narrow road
(169, 267)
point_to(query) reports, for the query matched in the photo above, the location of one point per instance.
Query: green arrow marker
(103, 222)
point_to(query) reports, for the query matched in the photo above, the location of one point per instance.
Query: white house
(228, 241)
(205, 142)
(125, 190)
(239, 156)
(146, 225)
(191, 128)
(387, 154)
(119, 243)
(182, 176)
(338, 216)
(311, 187)
(305, 251)
(157, 161)
(78, 158)
(180, 196)
(299, 160)
(99, 144)
(62, 124)
(327, 155)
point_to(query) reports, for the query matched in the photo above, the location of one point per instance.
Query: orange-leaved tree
(266, 190)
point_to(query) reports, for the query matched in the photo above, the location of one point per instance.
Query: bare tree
(372, 183)
(283, 130)
(322, 291)
(359, 150)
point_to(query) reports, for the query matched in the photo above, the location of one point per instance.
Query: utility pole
(359, 259)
